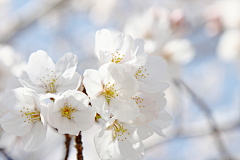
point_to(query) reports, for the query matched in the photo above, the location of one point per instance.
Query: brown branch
(79, 146)
(67, 143)
(204, 107)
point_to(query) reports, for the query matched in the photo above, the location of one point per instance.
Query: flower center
(49, 83)
(109, 92)
(116, 58)
(30, 116)
(118, 131)
(138, 101)
(67, 111)
(141, 73)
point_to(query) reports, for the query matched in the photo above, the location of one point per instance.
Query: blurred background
(200, 40)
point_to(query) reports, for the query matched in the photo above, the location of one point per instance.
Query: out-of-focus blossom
(228, 48)
(11, 66)
(149, 25)
(229, 13)
(101, 10)
(179, 51)
(214, 23)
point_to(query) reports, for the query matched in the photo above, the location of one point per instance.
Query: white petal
(76, 99)
(133, 65)
(139, 46)
(27, 83)
(130, 151)
(124, 111)
(140, 60)
(66, 84)
(30, 97)
(84, 119)
(16, 101)
(39, 65)
(66, 66)
(104, 145)
(143, 129)
(161, 102)
(104, 74)
(55, 119)
(68, 127)
(35, 138)
(101, 106)
(150, 111)
(148, 105)
(58, 103)
(124, 82)
(16, 125)
(156, 68)
(44, 114)
(103, 39)
(123, 44)
(163, 121)
(92, 83)
(105, 57)
(153, 87)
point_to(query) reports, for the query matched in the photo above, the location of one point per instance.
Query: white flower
(150, 104)
(151, 74)
(121, 49)
(46, 77)
(71, 113)
(27, 117)
(110, 89)
(125, 137)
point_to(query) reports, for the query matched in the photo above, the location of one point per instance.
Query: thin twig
(67, 143)
(4, 153)
(191, 134)
(79, 146)
(204, 107)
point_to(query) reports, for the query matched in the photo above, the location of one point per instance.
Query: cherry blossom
(125, 137)
(110, 89)
(120, 49)
(126, 91)
(27, 117)
(71, 113)
(46, 77)
(151, 74)
(150, 104)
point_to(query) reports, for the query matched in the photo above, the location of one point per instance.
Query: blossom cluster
(126, 91)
